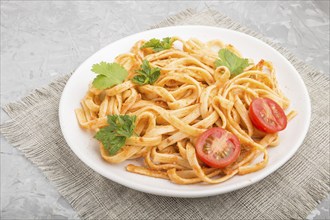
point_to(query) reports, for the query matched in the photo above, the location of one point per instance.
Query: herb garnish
(234, 63)
(113, 137)
(158, 45)
(147, 74)
(109, 74)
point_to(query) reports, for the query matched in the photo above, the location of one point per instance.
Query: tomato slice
(266, 115)
(217, 147)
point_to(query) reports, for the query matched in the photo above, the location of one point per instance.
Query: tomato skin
(267, 116)
(230, 140)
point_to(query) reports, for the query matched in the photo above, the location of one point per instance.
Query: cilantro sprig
(108, 75)
(147, 74)
(235, 64)
(113, 137)
(158, 45)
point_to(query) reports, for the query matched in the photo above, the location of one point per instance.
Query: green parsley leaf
(234, 63)
(147, 75)
(158, 45)
(109, 74)
(113, 137)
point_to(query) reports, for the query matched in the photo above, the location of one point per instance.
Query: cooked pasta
(191, 95)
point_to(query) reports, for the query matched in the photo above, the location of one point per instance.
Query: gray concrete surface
(43, 40)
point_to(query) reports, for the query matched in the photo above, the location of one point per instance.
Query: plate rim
(186, 194)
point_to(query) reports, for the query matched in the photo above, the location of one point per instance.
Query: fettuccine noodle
(190, 96)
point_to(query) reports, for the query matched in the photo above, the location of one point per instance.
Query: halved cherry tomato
(217, 147)
(266, 115)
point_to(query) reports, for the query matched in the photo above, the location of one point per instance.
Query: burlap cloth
(290, 192)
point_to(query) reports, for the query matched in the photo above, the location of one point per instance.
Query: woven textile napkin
(290, 192)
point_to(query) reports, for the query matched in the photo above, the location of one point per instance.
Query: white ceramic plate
(87, 149)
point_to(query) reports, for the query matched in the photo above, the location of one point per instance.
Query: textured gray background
(43, 40)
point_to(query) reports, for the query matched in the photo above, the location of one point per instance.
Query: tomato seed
(271, 122)
(217, 156)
